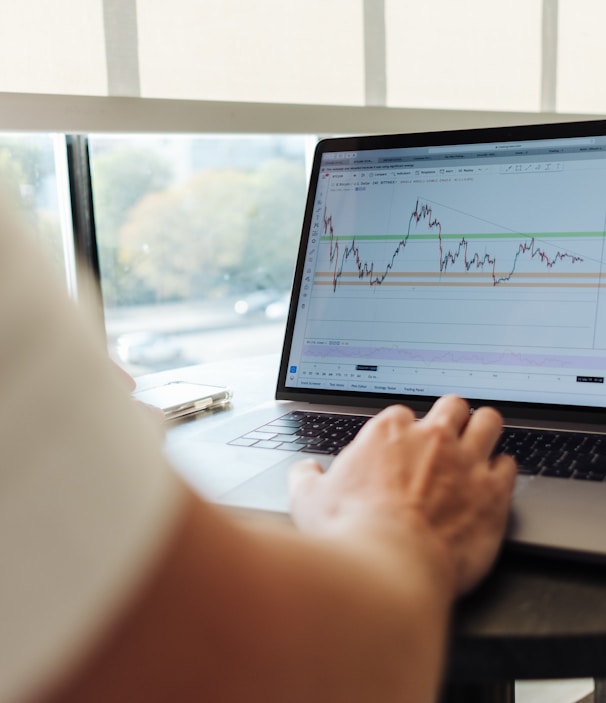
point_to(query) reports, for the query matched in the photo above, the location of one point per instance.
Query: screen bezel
(581, 415)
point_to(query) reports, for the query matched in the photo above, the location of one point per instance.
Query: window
(309, 51)
(581, 59)
(33, 172)
(172, 271)
(468, 54)
(52, 47)
(197, 237)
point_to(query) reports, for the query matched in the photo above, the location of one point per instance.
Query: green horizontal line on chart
(505, 235)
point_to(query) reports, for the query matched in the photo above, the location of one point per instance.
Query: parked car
(147, 348)
(256, 302)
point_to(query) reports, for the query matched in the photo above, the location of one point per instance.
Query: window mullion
(88, 270)
(375, 83)
(549, 56)
(121, 47)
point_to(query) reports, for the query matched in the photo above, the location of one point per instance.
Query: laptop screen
(468, 262)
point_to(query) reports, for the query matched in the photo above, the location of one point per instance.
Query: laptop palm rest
(269, 489)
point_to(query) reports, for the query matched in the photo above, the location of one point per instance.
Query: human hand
(435, 476)
(127, 379)
(131, 385)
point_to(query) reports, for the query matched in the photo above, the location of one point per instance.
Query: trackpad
(269, 489)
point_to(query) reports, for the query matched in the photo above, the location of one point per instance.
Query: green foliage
(12, 175)
(25, 161)
(25, 164)
(221, 232)
(121, 178)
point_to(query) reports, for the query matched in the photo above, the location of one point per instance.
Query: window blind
(525, 56)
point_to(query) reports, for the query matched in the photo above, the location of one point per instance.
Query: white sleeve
(87, 500)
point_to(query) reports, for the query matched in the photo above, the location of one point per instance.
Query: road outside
(155, 338)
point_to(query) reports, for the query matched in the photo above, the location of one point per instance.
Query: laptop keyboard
(300, 431)
(574, 455)
(562, 454)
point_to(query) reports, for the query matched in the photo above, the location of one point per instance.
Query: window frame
(75, 117)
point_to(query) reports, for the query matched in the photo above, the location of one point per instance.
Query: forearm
(266, 614)
(374, 606)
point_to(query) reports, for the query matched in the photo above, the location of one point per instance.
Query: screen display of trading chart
(475, 272)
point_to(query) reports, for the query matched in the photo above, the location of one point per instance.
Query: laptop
(469, 262)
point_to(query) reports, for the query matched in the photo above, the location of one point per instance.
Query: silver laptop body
(466, 262)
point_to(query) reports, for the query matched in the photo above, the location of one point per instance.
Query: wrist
(401, 545)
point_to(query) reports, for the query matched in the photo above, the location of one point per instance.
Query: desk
(531, 619)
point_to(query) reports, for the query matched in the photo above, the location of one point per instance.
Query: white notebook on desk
(468, 262)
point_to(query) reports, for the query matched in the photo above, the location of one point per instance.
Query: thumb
(302, 482)
(303, 475)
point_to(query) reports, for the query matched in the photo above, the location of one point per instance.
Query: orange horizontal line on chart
(509, 284)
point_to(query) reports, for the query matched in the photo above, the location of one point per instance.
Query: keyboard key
(292, 446)
(283, 429)
(291, 438)
(563, 472)
(242, 442)
(588, 476)
(528, 469)
(259, 435)
(264, 444)
(284, 422)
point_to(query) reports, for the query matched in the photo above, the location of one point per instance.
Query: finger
(502, 475)
(302, 482)
(130, 382)
(396, 417)
(153, 410)
(505, 469)
(400, 414)
(303, 475)
(483, 431)
(450, 410)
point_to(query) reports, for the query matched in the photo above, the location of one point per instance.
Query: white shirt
(87, 500)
